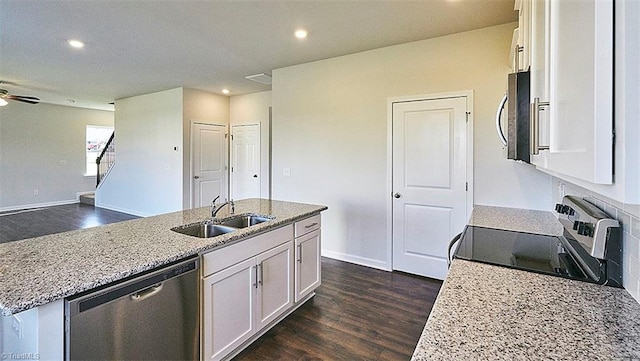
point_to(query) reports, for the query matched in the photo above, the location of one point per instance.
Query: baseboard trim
(362, 261)
(121, 210)
(39, 205)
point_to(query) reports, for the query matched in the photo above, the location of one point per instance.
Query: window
(97, 138)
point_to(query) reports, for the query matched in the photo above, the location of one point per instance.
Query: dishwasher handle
(149, 292)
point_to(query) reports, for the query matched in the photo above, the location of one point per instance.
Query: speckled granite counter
(40, 270)
(485, 312)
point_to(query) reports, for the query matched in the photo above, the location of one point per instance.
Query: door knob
(196, 177)
(397, 195)
(255, 176)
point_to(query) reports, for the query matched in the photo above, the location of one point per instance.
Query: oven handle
(451, 244)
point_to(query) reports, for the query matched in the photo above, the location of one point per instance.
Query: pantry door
(245, 161)
(429, 182)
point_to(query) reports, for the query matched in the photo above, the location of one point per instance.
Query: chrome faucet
(216, 208)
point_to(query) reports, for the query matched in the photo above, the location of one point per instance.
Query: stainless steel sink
(244, 221)
(203, 230)
(212, 228)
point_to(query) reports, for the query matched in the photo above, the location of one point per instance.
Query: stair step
(89, 198)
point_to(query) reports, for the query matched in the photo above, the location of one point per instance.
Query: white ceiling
(139, 47)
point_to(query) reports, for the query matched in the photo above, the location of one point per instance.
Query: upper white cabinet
(571, 61)
(522, 47)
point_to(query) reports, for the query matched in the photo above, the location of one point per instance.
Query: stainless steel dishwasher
(150, 317)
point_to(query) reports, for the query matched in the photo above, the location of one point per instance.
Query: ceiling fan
(5, 95)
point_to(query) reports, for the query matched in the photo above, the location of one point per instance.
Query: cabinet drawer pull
(261, 275)
(300, 253)
(311, 225)
(256, 282)
(518, 49)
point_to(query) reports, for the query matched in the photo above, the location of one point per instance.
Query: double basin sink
(212, 227)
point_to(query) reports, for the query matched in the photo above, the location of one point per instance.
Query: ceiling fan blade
(30, 100)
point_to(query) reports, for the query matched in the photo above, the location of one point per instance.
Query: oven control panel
(588, 224)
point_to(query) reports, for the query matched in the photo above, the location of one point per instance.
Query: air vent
(261, 78)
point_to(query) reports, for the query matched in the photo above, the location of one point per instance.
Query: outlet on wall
(561, 190)
(16, 326)
(286, 172)
(36, 192)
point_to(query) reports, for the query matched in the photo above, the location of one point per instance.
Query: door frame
(468, 94)
(231, 155)
(226, 178)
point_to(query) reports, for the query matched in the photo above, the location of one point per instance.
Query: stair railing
(106, 159)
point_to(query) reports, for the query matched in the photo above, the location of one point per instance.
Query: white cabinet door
(275, 283)
(580, 83)
(524, 34)
(307, 264)
(228, 314)
(540, 73)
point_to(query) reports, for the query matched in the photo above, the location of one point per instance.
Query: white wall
(329, 128)
(43, 147)
(254, 108)
(203, 107)
(146, 178)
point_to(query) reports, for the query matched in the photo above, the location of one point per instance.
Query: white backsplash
(627, 214)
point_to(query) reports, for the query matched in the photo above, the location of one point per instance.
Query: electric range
(590, 249)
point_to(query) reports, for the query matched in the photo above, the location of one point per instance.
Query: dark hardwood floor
(358, 313)
(16, 225)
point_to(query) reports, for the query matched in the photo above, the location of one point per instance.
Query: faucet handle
(213, 203)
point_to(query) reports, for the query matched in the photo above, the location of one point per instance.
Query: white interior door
(209, 163)
(429, 182)
(245, 161)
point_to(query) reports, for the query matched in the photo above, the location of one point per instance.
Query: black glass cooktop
(525, 251)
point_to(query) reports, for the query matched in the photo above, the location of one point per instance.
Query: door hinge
(466, 186)
(231, 169)
(467, 114)
(226, 135)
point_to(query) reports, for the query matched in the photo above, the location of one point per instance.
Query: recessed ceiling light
(75, 43)
(301, 34)
(225, 91)
(3, 102)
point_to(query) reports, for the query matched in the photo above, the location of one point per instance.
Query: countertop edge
(210, 245)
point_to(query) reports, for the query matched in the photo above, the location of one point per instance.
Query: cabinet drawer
(307, 225)
(224, 257)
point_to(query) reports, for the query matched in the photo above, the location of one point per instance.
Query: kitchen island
(37, 274)
(486, 312)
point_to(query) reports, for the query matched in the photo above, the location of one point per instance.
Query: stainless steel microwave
(518, 126)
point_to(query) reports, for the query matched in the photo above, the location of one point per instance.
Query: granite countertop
(486, 312)
(40, 270)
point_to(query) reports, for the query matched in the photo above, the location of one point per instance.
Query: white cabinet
(572, 69)
(229, 301)
(308, 260)
(275, 277)
(245, 287)
(521, 46)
